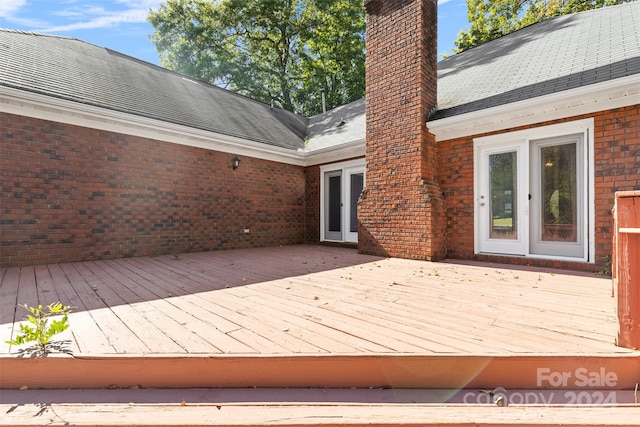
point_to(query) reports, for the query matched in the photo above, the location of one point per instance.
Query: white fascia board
(15, 101)
(616, 93)
(336, 153)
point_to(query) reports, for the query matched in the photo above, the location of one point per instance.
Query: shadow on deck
(315, 316)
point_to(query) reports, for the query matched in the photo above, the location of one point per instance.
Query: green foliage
(275, 51)
(491, 19)
(41, 330)
(606, 266)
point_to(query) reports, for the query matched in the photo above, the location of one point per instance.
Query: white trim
(38, 106)
(525, 136)
(588, 99)
(542, 132)
(342, 167)
(19, 102)
(335, 153)
(584, 100)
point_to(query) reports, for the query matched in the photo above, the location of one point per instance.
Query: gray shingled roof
(337, 126)
(558, 54)
(75, 70)
(552, 56)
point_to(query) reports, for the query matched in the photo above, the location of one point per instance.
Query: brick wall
(70, 193)
(617, 168)
(401, 207)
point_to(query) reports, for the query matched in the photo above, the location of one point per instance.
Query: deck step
(300, 407)
(528, 371)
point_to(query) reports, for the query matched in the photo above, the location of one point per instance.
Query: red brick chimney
(401, 209)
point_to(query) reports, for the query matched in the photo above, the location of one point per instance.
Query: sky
(121, 25)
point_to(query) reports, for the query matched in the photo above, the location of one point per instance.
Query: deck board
(182, 312)
(88, 336)
(120, 336)
(315, 300)
(8, 305)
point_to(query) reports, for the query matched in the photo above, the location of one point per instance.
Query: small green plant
(606, 266)
(41, 330)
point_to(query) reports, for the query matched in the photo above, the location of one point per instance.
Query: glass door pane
(503, 196)
(335, 203)
(333, 206)
(559, 193)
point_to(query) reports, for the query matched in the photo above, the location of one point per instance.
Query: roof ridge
(37, 33)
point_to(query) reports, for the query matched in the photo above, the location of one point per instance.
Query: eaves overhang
(588, 99)
(29, 104)
(336, 153)
(616, 93)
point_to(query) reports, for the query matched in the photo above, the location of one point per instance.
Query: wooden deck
(276, 304)
(312, 299)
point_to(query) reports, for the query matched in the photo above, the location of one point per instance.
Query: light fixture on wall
(235, 163)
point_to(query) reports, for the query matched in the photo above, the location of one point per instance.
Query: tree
(491, 19)
(282, 52)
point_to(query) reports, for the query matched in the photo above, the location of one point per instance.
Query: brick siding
(71, 193)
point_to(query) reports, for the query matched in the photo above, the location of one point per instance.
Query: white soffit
(336, 153)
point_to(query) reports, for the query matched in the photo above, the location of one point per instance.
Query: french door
(341, 188)
(557, 202)
(531, 197)
(500, 204)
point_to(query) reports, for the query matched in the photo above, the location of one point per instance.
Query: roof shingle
(78, 71)
(554, 55)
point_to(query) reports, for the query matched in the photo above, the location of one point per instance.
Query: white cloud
(103, 20)
(71, 15)
(141, 4)
(83, 16)
(79, 12)
(9, 7)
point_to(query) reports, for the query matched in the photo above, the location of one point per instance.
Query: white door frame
(483, 203)
(345, 170)
(522, 140)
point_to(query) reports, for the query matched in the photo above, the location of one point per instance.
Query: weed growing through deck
(606, 266)
(42, 331)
